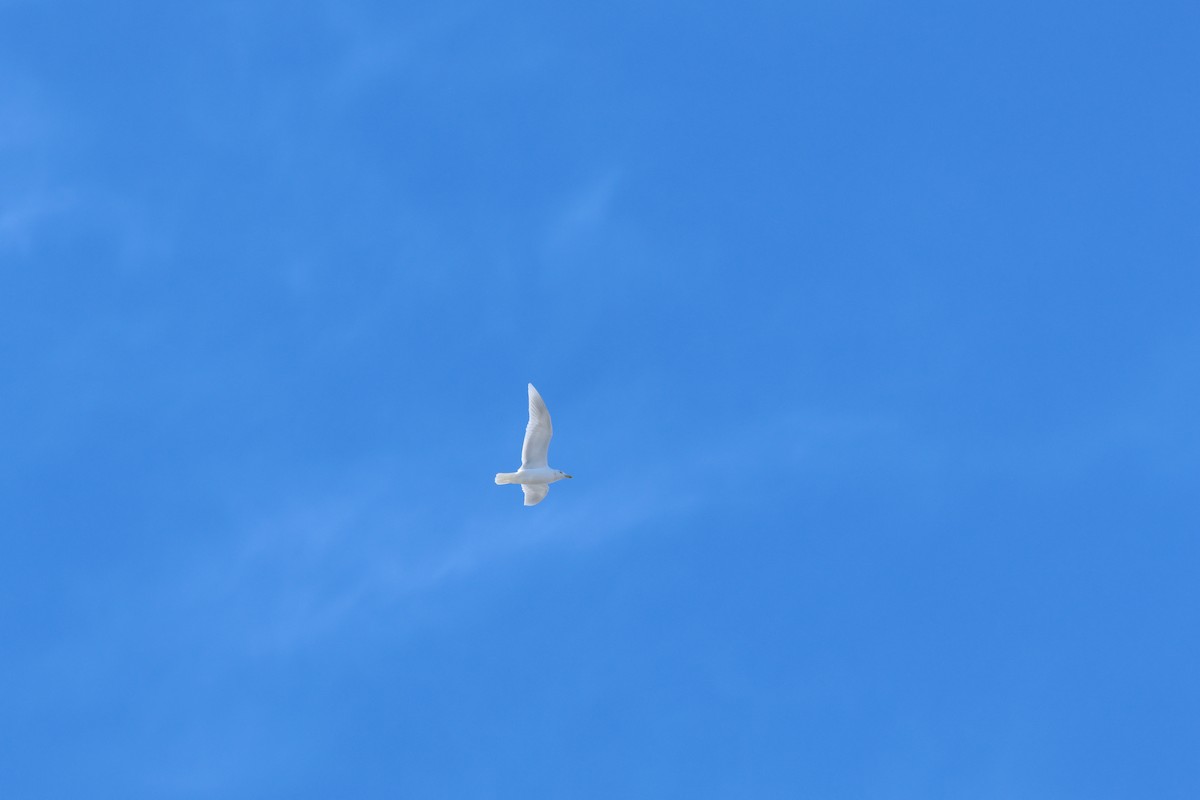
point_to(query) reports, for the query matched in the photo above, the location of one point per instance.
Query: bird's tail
(506, 477)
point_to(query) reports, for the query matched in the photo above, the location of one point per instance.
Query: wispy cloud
(298, 570)
(583, 213)
(40, 198)
(22, 214)
(26, 202)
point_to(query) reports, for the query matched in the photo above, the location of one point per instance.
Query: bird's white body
(535, 474)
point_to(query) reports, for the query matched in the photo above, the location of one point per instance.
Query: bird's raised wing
(534, 492)
(537, 434)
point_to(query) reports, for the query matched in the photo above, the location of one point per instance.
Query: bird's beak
(570, 476)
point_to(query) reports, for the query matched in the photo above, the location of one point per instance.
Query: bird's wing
(537, 433)
(534, 492)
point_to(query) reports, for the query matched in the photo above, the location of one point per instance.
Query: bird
(535, 474)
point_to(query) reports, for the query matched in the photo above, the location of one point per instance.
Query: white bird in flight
(535, 475)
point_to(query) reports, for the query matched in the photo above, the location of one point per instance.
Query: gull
(535, 475)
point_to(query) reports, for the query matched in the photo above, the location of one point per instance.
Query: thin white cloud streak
(586, 212)
(302, 571)
(26, 133)
(39, 200)
(18, 220)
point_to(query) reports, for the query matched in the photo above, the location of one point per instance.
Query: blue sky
(870, 333)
